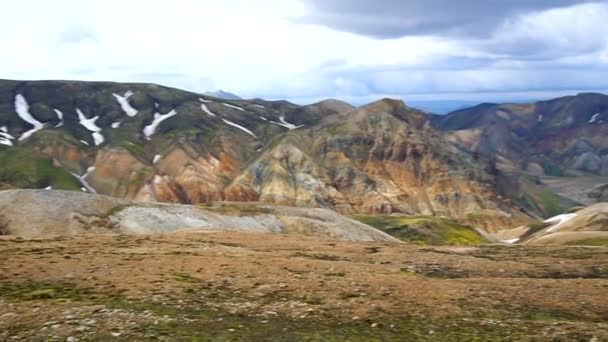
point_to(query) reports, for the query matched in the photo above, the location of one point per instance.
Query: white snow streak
(263, 118)
(115, 124)
(559, 220)
(203, 100)
(259, 106)
(124, 103)
(60, 116)
(158, 118)
(23, 110)
(91, 126)
(49, 188)
(233, 106)
(239, 127)
(156, 159)
(206, 110)
(82, 179)
(594, 118)
(84, 142)
(511, 241)
(5, 138)
(285, 123)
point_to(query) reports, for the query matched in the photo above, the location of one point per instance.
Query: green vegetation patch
(27, 169)
(590, 242)
(424, 230)
(237, 209)
(29, 291)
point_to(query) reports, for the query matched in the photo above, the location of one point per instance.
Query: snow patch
(5, 137)
(115, 124)
(285, 124)
(123, 100)
(203, 100)
(158, 118)
(83, 181)
(91, 126)
(559, 220)
(206, 110)
(594, 118)
(259, 106)
(511, 241)
(263, 118)
(98, 138)
(48, 188)
(233, 106)
(59, 116)
(156, 159)
(239, 127)
(84, 142)
(23, 110)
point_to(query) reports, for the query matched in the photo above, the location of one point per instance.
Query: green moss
(27, 169)
(238, 209)
(30, 291)
(590, 242)
(225, 180)
(424, 230)
(337, 129)
(551, 202)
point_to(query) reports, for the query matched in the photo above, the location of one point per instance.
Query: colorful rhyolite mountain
(146, 142)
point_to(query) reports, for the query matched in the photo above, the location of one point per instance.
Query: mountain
(147, 142)
(579, 226)
(554, 152)
(220, 94)
(379, 158)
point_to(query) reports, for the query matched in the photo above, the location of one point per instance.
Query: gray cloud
(398, 18)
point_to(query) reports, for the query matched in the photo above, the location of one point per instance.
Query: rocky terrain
(46, 213)
(229, 286)
(580, 226)
(150, 143)
(551, 153)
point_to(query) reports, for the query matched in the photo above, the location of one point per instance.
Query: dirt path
(236, 286)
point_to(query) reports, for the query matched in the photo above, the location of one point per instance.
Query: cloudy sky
(304, 50)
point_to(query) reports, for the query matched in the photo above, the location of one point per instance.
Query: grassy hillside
(24, 169)
(424, 229)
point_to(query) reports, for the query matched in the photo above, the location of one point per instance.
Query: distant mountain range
(488, 165)
(220, 94)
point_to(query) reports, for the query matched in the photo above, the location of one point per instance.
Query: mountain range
(492, 165)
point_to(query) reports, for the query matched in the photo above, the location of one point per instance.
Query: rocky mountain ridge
(151, 143)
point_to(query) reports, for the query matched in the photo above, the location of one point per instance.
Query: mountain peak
(221, 94)
(397, 108)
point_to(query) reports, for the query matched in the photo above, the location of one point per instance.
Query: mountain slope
(126, 137)
(551, 153)
(151, 143)
(556, 137)
(62, 213)
(380, 158)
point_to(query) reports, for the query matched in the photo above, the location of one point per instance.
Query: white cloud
(256, 49)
